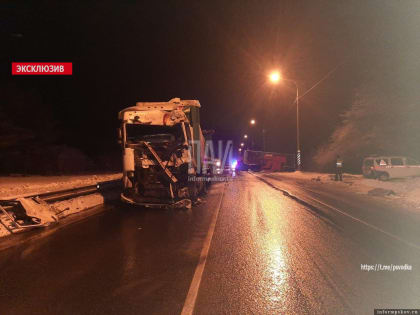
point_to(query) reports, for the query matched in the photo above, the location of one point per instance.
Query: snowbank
(54, 212)
(13, 187)
(407, 190)
(67, 207)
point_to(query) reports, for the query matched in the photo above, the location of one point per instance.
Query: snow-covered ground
(15, 187)
(12, 187)
(407, 190)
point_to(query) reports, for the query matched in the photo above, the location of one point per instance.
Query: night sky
(216, 52)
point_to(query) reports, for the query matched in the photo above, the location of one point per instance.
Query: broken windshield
(154, 133)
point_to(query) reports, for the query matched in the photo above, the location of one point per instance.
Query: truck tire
(205, 188)
(370, 174)
(383, 176)
(193, 191)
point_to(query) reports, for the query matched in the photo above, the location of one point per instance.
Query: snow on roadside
(15, 187)
(12, 187)
(67, 207)
(56, 211)
(407, 190)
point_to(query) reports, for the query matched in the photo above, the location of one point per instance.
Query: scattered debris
(407, 190)
(317, 179)
(381, 192)
(24, 213)
(39, 208)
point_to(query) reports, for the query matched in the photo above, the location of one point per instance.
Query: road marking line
(368, 224)
(395, 237)
(189, 304)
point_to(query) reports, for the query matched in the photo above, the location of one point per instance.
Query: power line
(323, 79)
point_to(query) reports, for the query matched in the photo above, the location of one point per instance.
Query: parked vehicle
(223, 169)
(270, 161)
(386, 167)
(253, 160)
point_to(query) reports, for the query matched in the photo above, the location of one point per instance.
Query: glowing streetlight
(242, 144)
(274, 77)
(252, 122)
(245, 136)
(240, 149)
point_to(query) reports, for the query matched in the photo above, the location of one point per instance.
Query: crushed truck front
(160, 156)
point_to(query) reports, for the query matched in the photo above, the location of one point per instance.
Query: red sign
(42, 68)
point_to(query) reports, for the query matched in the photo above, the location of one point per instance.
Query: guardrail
(13, 204)
(79, 191)
(59, 195)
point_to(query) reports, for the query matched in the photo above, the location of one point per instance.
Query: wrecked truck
(163, 154)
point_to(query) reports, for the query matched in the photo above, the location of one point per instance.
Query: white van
(386, 167)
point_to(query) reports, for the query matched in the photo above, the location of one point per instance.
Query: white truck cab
(163, 150)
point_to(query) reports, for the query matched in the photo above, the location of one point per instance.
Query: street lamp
(242, 144)
(275, 77)
(245, 136)
(253, 122)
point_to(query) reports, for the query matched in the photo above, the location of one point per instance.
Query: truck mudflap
(184, 203)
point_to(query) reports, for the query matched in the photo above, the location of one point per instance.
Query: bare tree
(376, 123)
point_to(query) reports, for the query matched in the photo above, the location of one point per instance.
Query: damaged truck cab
(163, 153)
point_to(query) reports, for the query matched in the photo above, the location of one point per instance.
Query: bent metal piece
(17, 224)
(184, 203)
(168, 172)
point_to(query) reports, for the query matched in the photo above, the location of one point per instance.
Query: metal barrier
(15, 209)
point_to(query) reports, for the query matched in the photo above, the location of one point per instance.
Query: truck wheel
(370, 174)
(204, 189)
(193, 191)
(383, 176)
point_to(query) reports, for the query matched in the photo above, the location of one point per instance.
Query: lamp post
(252, 122)
(275, 77)
(263, 134)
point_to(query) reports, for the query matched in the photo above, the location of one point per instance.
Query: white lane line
(344, 213)
(189, 304)
(368, 224)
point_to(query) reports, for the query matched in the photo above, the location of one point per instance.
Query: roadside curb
(311, 206)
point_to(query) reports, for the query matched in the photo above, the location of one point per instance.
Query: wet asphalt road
(270, 254)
